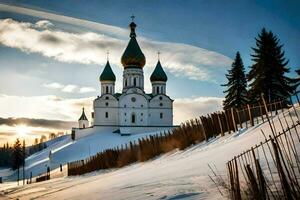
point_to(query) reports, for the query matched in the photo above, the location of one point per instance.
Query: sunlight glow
(22, 130)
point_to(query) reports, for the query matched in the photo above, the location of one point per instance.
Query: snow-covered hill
(176, 175)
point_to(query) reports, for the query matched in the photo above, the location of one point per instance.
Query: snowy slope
(64, 150)
(176, 175)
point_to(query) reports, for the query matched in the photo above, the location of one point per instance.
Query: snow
(175, 175)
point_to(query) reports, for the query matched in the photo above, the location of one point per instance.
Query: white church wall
(83, 123)
(161, 111)
(137, 130)
(133, 104)
(106, 110)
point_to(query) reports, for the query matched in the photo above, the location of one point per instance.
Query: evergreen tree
(267, 74)
(17, 156)
(237, 84)
(296, 81)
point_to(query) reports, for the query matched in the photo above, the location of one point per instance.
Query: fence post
(233, 120)
(250, 115)
(261, 112)
(239, 118)
(220, 124)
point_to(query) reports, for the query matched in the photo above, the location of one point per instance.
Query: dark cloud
(49, 38)
(55, 124)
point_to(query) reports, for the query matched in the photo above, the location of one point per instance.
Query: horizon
(52, 54)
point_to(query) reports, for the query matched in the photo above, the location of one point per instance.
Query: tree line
(267, 74)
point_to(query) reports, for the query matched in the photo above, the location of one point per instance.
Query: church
(132, 110)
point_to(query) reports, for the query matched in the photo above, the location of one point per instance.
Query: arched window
(106, 114)
(134, 81)
(106, 89)
(161, 115)
(157, 89)
(162, 89)
(83, 125)
(133, 118)
(125, 82)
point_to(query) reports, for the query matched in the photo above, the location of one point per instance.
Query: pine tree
(237, 85)
(17, 156)
(267, 74)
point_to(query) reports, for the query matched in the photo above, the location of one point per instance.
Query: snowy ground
(176, 175)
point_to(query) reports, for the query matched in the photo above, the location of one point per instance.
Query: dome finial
(132, 17)
(107, 55)
(132, 26)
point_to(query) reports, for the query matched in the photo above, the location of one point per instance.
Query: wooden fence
(269, 170)
(189, 133)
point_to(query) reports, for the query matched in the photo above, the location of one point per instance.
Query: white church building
(133, 110)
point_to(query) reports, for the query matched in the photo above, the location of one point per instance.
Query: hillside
(176, 175)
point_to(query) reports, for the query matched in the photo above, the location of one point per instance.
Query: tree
(267, 74)
(237, 85)
(17, 156)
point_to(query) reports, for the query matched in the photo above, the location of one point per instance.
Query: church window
(106, 89)
(106, 98)
(157, 90)
(133, 118)
(83, 125)
(106, 103)
(93, 115)
(134, 81)
(125, 114)
(160, 98)
(106, 114)
(133, 99)
(161, 104)
(125, 82)
(124, 105)
(142, 105)
(161, 115)
(142, 114)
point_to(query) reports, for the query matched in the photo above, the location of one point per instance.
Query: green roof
(117, 95)
(133, 56)
(107, 74)
(83, 117)
(158, 74)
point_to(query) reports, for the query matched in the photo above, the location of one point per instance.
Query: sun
(22, 130)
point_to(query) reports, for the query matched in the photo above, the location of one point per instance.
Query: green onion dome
(107, 74)
(158, 74)
(133, 56)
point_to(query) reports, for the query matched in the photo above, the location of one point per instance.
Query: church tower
(133, 61)
(158, 80)
(83, 121)
(107, 79)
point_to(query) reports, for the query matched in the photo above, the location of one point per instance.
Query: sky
(52, 53)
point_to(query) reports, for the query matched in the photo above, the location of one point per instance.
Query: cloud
(86, 89)
(53, 85)
(44, 107)
(43, 24)
(102, 28)
(90, 48)
(45, 123)
(70, 88)
(188, 108)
